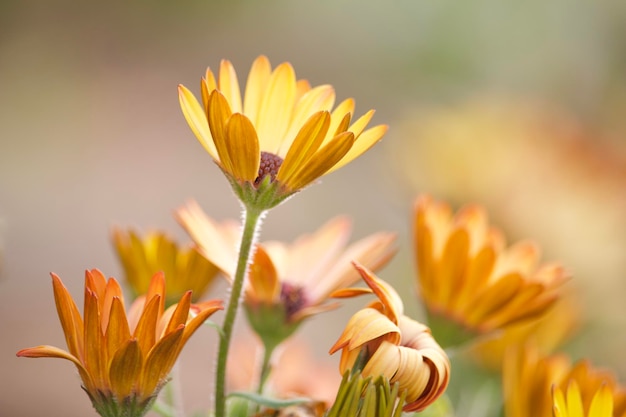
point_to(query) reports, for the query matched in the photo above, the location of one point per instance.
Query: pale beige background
(91, 135)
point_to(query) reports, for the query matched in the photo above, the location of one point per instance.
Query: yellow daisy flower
(528, 378)
(571, 404)
(185, 268)
(468, 277)
(281, 136)
(123, 361)
(389, 344)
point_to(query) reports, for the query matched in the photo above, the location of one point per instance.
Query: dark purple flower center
(293, 298)
(269, 166)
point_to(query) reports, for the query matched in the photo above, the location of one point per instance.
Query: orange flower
(468, 276)
(185, 269)
(546, 333)
(528, 378)
(123, 362)
(393, 345)
(282, 129)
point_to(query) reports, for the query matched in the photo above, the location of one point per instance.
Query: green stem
(251, 224)
(265, 367)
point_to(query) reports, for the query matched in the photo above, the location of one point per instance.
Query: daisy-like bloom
(281, 136)
(386, 343)
(529, 377)
(298, 278)
(123, 361)
(571, 403)
(468, 277)
(185, 268)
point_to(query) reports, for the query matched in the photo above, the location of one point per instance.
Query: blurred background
(520, 106)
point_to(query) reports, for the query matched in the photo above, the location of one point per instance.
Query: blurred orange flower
(468, 276)
(528, 378)
(393, 345)
(282, 129)
(185, 269)
(123, 361)
(547, 333)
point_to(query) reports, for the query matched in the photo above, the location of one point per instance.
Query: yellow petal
(242, 146)
(340, 119)
(304, 146)
(276, 108)
(602, 403)
(219, 112)
(255, 87)
(362, 144)
(229, 86)
(197, 120)
(318, 99)
(321, 162)
(574, 402)
(207, 85)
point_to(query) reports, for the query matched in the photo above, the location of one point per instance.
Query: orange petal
(125, 369)
(219, 112)
(117, 331)
(69, 316)
(242, 146)
(145, 332)
(263, 281)
(160, 360)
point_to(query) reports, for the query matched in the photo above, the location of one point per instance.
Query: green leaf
(268, 401)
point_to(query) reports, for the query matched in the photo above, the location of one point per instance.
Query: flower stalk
(252, 222)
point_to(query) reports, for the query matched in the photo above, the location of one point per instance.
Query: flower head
(529, 377)
(570, 404)
(185, 268)
(468, 276)
(123, 361)
(391, 345)
(280, 136)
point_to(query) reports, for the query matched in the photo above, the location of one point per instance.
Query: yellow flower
(529, 376)
(123, 361)
(468, 276)
(571, 404)
(282, 131)
(185, 269)
(391, 345)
